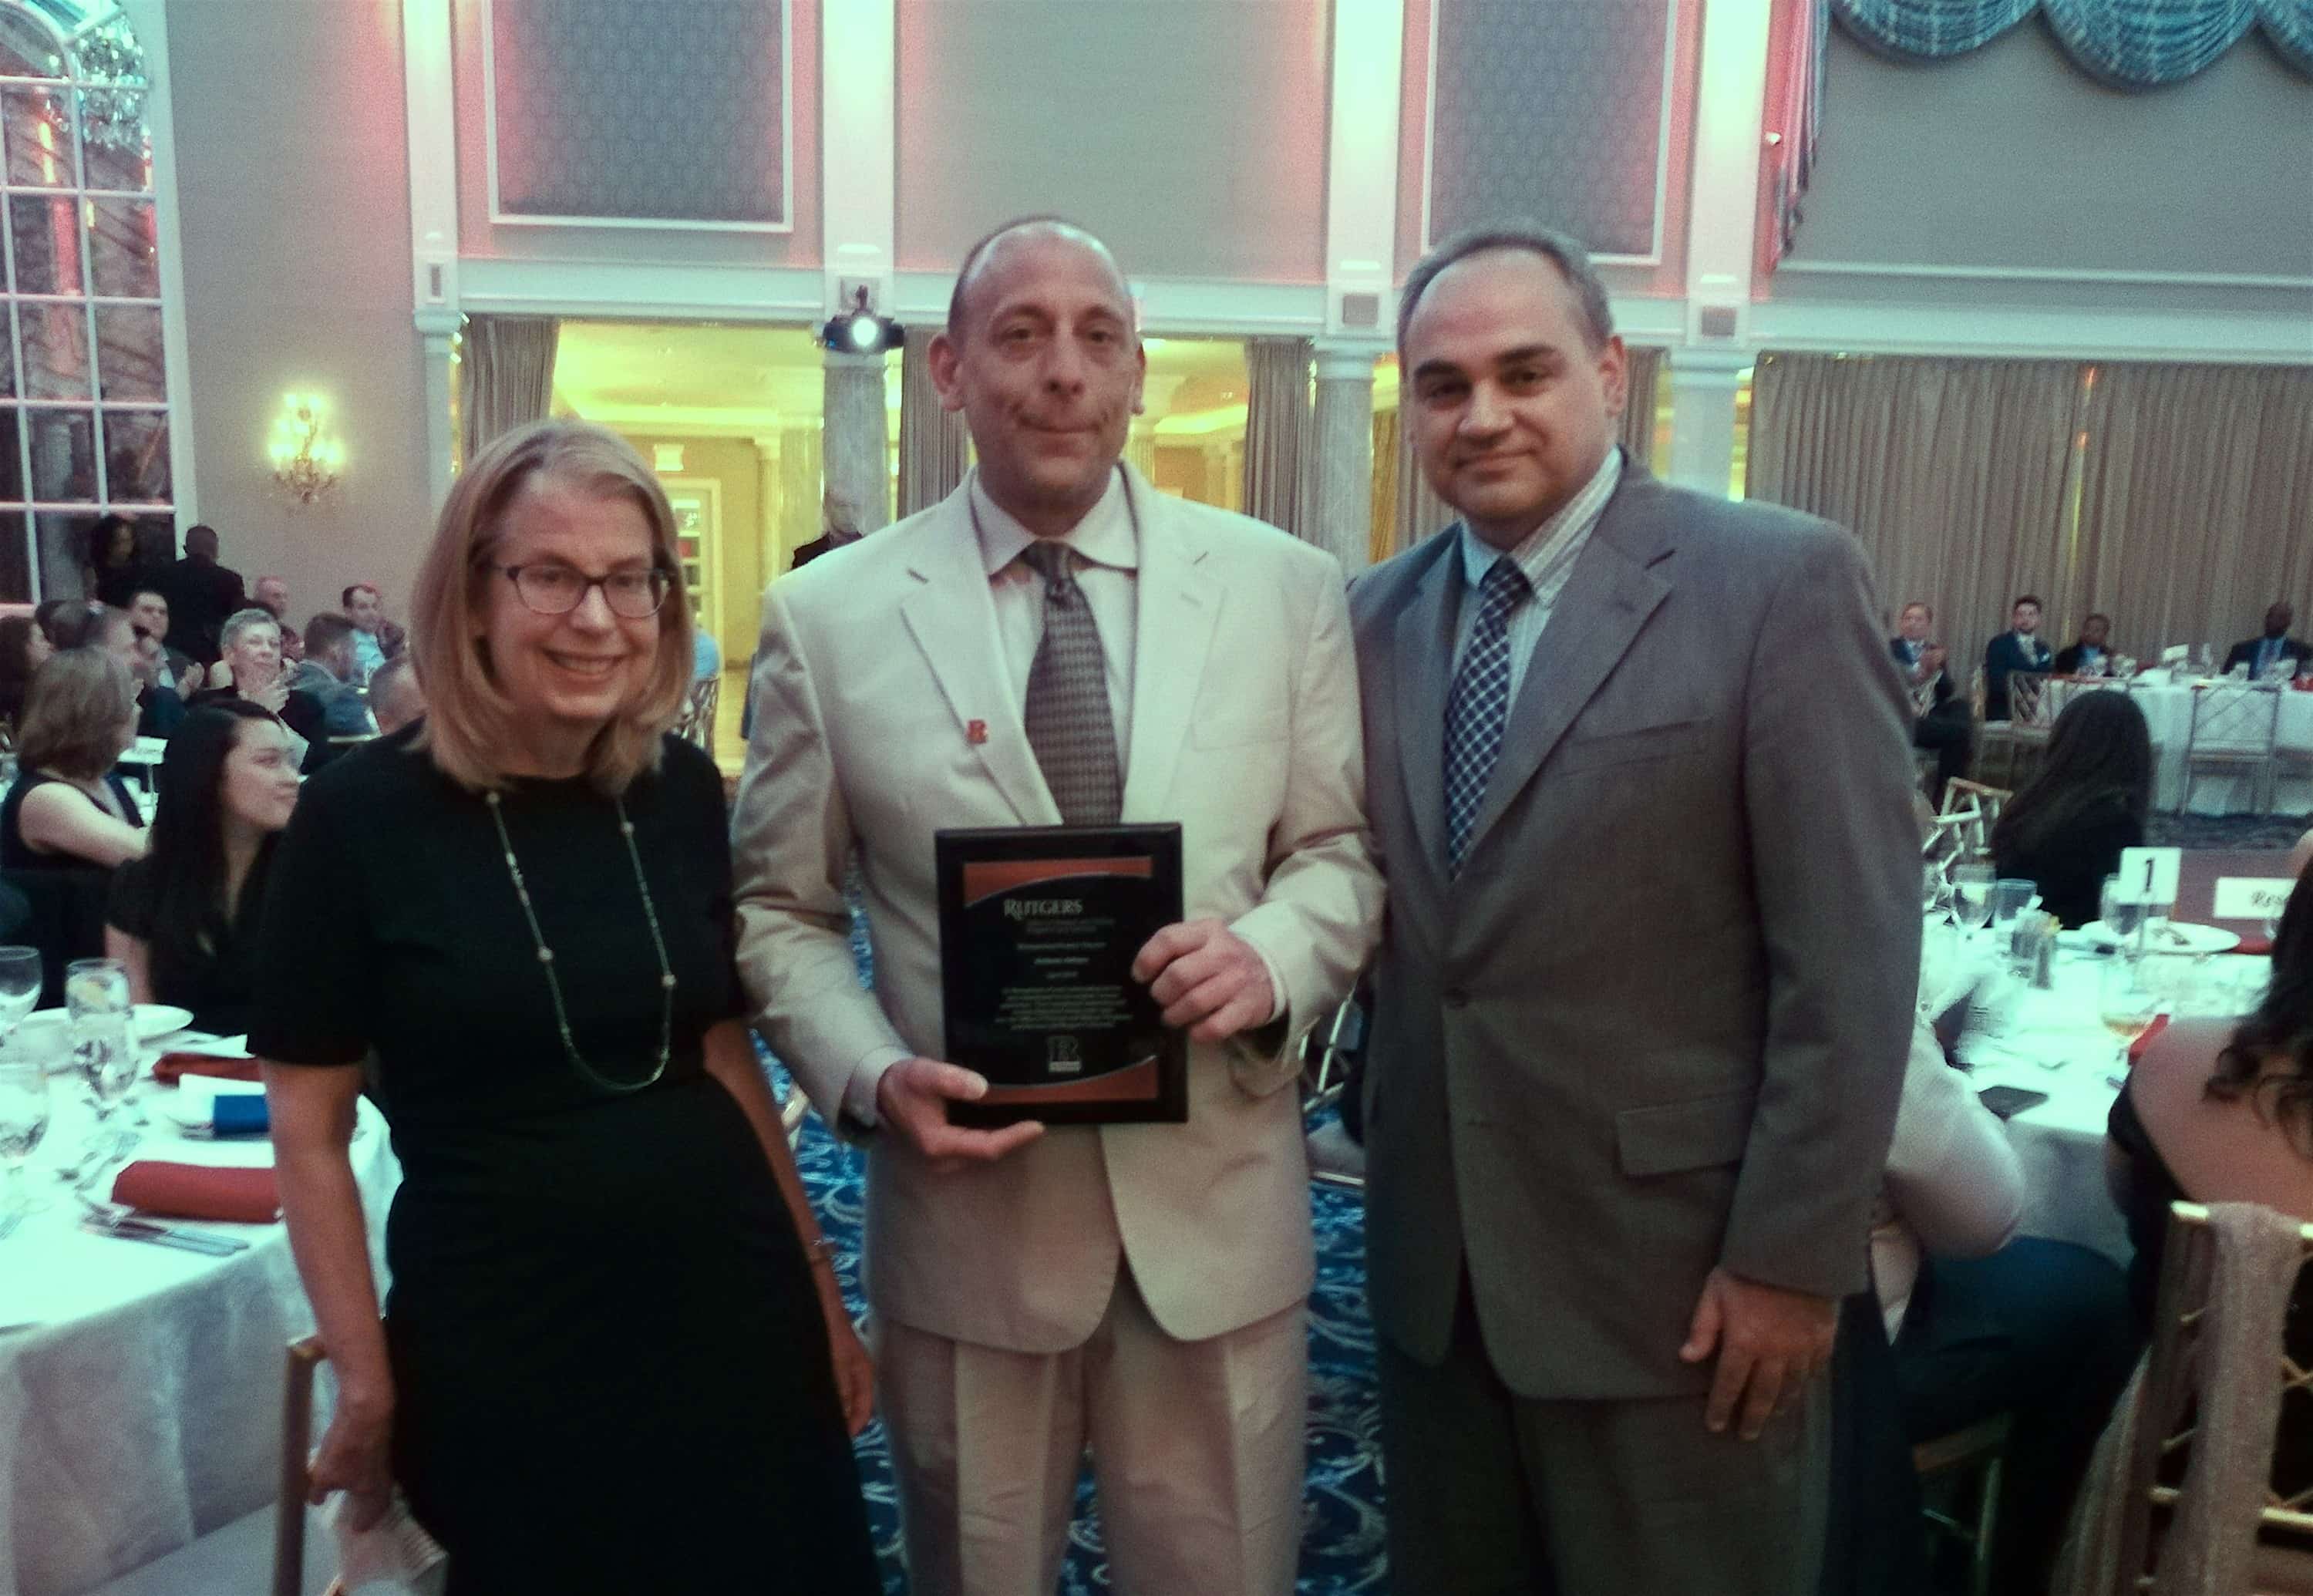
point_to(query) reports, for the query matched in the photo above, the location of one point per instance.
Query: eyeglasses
(559, 589)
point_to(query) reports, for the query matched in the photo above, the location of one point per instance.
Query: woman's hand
(271, 695)
(355, 1457)
(855, 1372)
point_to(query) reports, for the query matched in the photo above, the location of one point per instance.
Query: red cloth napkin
(170, 1066)
(2151, 1035)
(2256, 946)
(195, 1191)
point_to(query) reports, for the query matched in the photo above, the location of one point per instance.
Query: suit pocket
(1700, 1133)
(1629, 747)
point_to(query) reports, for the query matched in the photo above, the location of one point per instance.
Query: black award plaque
(1039, 926)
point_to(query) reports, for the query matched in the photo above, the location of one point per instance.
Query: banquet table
(2167, 709)
(140, 1386)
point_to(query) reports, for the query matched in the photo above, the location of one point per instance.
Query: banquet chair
(1971, 809)
(1980, 1449)
(2185, 1352)
(1333, 1057)
(2235, 727)
(304, 1357)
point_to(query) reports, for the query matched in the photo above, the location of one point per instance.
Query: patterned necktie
(1479, 705)
(1070, 727)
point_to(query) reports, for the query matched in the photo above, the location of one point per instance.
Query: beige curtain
(1420, 511)
(1277, 429)
(931, 437)
(1646, 367)
(1954, 474)
(2196, 501)
(509, 368)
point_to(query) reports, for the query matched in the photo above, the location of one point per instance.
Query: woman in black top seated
(184, 917)
(24, 648)
(69, 808)
(2215, 1112)
(249, 648)
(2065, 829)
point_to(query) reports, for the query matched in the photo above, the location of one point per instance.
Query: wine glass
(23, 1121)
(1935, 892)
(104, 1042)
(2127, 1004)
(1970, 887)
(20, 987)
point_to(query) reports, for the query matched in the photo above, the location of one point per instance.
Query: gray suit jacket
(1659, 1022)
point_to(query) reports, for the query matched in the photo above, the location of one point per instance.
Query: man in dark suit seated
(2018, 648)
(2261, 654)
(1940, 721)
(2092, 655)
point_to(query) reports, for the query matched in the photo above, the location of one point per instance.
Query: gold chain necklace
(546, 954)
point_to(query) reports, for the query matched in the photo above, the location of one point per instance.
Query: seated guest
(250, 649)
(1985, 1322)
(395, 699)
(2090, 656)
(328, 673)
(68, 807)
(1940, 721)
(56, 615)
(148, 612)
(2065, 829)
(2018, 648)
(159, 706)
(2217, 1113)
(183, 917)
(23, 648)
(2261, 654)
(271, 595)
(376, 640)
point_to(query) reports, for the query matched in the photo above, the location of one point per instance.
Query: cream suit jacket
(883, 714)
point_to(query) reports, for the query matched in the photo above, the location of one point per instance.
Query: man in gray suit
(1637, 769)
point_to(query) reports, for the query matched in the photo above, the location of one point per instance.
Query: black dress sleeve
(698, 786)
(315, 987)
(128, 907)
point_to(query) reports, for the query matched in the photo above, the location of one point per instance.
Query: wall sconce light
(305, 461)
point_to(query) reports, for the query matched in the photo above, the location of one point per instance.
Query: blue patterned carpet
(1340, 1509)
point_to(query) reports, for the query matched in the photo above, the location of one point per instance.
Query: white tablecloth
(2061, 1142)
(2168, 715)
(140, 1386)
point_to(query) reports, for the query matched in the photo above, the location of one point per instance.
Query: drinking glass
(2011, 896)
(1972, 896)
(2127, 1003)
(1935, 892)
(2121, 909)
(23, 1121)
(20, 987)
(104, 1042)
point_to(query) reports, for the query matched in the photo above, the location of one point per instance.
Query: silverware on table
(111, 1219)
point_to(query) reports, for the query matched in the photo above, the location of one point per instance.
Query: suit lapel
(954, 621)
(1423, 651)
(1614, 589)
(1177, 605)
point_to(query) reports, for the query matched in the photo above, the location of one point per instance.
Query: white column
(1722, 216)
(1361, 168)
(770, 546)
(857, 71)
(855, 464)
(150, 20)
(428, 94)
(1703, 385)
(1340, 518)
(435, 329)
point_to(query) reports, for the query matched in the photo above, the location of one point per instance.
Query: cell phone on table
(2007, 1100)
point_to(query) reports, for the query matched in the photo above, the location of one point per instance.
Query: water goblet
(23, 1121)
(1972, 896)
(20, 987)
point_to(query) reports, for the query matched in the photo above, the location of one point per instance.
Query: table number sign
(2251, 897)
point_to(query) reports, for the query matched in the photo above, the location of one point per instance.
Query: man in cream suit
(1057, 642)
(1639, 787)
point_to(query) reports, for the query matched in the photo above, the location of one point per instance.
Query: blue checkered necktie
(1479, 705)
(1071, 730)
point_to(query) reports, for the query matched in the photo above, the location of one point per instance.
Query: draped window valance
(2129, 44)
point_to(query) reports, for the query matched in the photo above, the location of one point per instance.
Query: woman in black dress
(615, 1357)
(2064, 832)
(182, 919)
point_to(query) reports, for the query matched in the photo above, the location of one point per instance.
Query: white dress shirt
(1107, 549)
(1547, 556)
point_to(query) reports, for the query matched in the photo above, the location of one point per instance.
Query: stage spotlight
(859, 331)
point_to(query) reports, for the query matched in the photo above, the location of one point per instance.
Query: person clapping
(249, 648)
(182, 919)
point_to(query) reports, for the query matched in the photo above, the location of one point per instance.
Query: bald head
(990, 254)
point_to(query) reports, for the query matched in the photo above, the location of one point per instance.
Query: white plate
(156, 1020)
(2165, 937)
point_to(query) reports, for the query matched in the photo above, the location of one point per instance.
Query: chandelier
(305, 460)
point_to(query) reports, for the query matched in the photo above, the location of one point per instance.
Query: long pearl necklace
(554, 982)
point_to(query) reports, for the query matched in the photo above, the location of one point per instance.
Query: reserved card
(2251, 897)
(2148, 874)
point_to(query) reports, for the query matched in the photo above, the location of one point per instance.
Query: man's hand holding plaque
(1212, 982)
(913, 1098)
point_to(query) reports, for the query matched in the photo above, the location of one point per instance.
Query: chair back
(1971, 809)
(2028, 700)
(2188, 1361)
(2233, 721)
(305, 1355)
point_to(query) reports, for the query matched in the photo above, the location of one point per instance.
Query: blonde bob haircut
(470, 722)
(80, 703)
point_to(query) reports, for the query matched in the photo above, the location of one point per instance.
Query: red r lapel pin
(975, 732)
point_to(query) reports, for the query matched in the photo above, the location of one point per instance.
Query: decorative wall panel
(1554, 112)
(631, 111)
